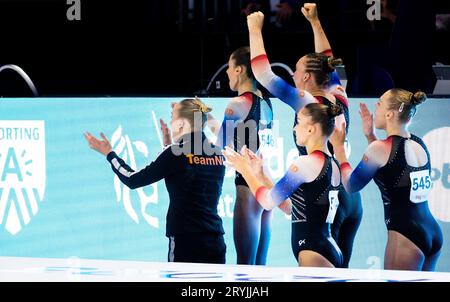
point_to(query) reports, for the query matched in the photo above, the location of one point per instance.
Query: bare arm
(255, 23)
(322, 45)
(262, 70)
(321, 42)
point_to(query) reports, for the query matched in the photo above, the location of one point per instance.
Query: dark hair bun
(418, 98)
(329, 64)
(333, 110)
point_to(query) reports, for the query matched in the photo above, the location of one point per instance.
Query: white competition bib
(334, 203)
(420, 186)
(266, 139)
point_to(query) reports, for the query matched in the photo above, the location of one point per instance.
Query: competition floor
(15, 269)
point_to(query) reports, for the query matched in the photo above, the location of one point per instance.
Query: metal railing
(23, 75)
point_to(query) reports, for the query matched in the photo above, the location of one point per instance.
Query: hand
(337, 138)
(102, 146)
(256, 162)
(367, 120)
(240, 163)
(309, 10)
(284, 12)
(255, 22)
(167, 138)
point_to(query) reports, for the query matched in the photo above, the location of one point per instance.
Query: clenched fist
(255, 22)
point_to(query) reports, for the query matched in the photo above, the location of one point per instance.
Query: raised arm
(278, 87)
(262, 70)
(321, 43)
(255, 23)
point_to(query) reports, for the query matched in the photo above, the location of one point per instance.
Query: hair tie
(203, 108)
(412, 99)
(329, 62)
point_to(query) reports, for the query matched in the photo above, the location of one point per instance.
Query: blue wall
(61, 199)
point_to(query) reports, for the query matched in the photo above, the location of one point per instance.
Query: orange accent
(229, 112)
(302, 93)
(365, 158)
(215, 160)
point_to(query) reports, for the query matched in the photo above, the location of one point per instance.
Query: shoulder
(169, 160)
(339, 93)
(307, 96)
(239, 105)
(307, 167)
(378, 151)
(170, 151)
(380, 146)
(245, 98)
(311, 161)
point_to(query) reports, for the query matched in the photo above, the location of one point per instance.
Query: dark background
(160, 48)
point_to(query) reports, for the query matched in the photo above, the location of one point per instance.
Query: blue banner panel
(60, 199)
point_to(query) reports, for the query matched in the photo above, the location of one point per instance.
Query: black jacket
(193, 179)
